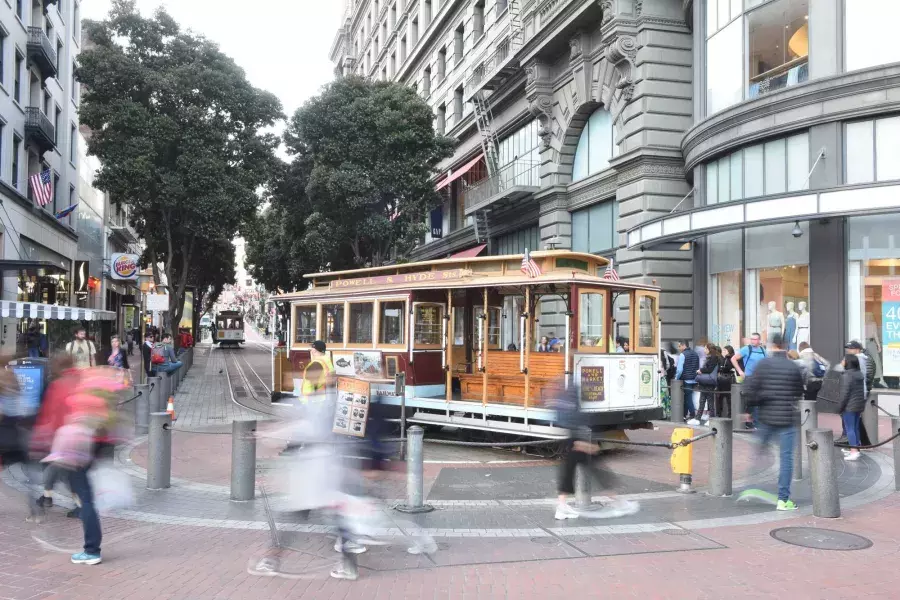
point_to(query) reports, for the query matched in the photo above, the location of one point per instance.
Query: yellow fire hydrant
(683, 458)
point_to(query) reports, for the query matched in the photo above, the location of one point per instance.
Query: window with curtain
(872, 149)
(596, 145)
(594, 228)
(773, 167)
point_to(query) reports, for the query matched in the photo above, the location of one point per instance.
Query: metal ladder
(483, 227)
(516, 30)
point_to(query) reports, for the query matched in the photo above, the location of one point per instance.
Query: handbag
(709, 379)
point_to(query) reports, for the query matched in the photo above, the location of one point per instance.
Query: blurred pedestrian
(726, 379)
(852, 403)
(82, 350)
(774, 389)
(817, 368)
(36, 340)
(16, 422)
(129, 342)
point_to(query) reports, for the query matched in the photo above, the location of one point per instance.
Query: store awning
(33, 267)
(470, 253)
(459, 172)
(34, 310)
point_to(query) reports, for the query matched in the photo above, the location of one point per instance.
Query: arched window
(596, 146)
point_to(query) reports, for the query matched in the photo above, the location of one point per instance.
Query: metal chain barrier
(870, 446)
(124, 402)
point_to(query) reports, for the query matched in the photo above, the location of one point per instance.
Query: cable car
(229, 328)
(485, 343)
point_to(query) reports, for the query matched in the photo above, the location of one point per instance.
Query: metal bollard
(720, 460)
(895, 427)
(809, 419)
(582, 486)
(243, 460)
(159, 452)
(870, 417)
(415, 476)
(141, 408)
(155, 404)
(676, 414)
(165, 389)
(737, 407)
(826, 501)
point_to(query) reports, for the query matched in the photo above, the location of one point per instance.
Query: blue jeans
(851, 426)
(785, 437)
(169, 367)
(90, 520)
(690, 411)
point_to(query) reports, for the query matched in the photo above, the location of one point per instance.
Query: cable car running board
(537, 431)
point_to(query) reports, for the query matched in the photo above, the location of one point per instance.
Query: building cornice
(842, 97)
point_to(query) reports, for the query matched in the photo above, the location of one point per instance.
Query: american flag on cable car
(610, 273)
(529, 267)
(41, 188)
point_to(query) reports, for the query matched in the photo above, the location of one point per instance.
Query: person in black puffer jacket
(776, 387)
(853, 402)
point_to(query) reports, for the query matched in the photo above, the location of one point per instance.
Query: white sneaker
(845, 450)
(348, 546)
(693, 422)
(705, 417)
(343, 572)
(856, 456)
(564, 511)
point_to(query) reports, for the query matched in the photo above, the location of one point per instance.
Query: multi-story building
(569, 116)
(743, 154)
(39, 43)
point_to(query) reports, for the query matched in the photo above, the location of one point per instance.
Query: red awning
(459, 172)
(470, 253)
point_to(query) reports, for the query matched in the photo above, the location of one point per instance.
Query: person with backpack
(816, 366)
(82, 350)
(745, 363)
(163, 356)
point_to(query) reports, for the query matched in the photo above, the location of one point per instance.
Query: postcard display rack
(352, 408)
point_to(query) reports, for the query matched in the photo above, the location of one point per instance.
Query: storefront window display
(873, 294)
(765, 269)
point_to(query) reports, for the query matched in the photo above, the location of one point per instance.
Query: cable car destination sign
(422, 277)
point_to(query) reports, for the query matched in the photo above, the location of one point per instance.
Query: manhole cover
(821, 539)
(676, 532)
(546, 541)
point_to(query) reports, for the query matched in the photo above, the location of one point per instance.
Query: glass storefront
(759, 283)
(873, 286)
(869, 27)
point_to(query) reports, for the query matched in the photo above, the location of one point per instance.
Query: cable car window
(391, 320)
(592, 321)
(428, 324)
(333, 323)
(361, 323)
(305, 325)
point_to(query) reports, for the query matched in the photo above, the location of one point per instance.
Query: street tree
(368, 153)
(181, 135)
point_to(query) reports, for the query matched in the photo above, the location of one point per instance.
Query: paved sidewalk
(493, 523)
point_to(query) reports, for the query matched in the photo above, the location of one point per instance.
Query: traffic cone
(170, 407)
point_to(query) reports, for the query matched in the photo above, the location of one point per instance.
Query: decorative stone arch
(607, 84)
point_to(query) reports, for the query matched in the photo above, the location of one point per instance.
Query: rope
(870, 446)
(124, 402)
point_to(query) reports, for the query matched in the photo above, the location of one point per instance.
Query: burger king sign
(124, 266)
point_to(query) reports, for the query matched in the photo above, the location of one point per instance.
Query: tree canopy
(359, 188)
(181, 135)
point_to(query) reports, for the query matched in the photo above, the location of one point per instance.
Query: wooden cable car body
(465, 332)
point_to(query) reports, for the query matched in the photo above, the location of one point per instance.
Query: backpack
(819, 369)
(157, 355)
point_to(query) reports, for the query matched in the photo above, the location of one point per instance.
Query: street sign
(158, 302)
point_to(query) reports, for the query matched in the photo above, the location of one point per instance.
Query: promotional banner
(158, 302)
(890, 326)
(124, 266)
(187, 315)
(437, 223)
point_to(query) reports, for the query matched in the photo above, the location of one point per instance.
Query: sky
(283, 45)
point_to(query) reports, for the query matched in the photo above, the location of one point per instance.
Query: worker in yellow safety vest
(318, 375)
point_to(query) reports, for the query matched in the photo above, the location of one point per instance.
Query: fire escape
(488, 75)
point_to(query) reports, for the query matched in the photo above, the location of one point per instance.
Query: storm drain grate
(546, 541)
(676, 532)
(821, 539)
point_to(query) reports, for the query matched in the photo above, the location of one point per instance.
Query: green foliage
(180, 133)
(363, 152)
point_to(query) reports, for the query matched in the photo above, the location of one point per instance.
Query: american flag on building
(529, 267)
(41, 187)
(610, 273)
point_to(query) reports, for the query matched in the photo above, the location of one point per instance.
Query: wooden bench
(506, 383)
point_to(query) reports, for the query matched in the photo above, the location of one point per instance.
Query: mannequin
(774, 323)
(790, 327)
(802, 324)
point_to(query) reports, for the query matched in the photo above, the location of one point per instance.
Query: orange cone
(170, 407)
